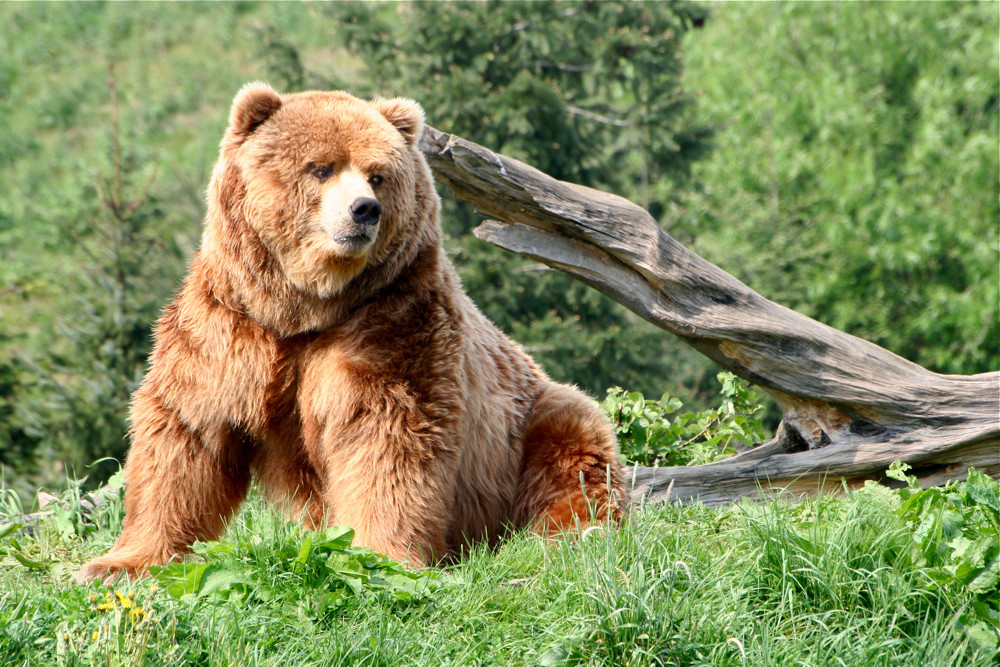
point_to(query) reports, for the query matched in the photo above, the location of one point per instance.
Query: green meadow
(842, 159)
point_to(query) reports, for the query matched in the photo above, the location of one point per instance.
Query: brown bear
(322, 344)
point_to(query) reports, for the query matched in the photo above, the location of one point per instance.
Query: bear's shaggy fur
(322, 343)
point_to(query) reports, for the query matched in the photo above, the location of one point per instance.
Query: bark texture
(850, 408)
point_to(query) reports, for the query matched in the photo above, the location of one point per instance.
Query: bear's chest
(340, 377)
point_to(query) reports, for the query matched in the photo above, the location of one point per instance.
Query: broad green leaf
(217, 580)
(27, 562)
(9, 528)
(180, 579)
(335, 537)
(304, 550)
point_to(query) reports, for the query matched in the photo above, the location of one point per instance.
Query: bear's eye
(376, 179)
(322, 172)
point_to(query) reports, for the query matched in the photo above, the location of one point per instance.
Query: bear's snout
(366, 211)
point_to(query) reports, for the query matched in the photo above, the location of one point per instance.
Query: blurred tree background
(840, 158)
(855, 175)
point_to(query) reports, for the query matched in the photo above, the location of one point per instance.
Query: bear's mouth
(354, 242)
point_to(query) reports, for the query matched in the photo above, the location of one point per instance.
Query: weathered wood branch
(850, 408)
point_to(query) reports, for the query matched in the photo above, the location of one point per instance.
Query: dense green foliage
(957, 533)
(881, 577)
(649, 435)
(841, 160)
(310, 573)
(856, 172)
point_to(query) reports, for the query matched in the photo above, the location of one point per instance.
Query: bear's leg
(401, 513)
(571, 473)
(291, 483)
(395, 491)
(181, 486)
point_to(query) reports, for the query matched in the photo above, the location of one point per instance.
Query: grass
(821, 582)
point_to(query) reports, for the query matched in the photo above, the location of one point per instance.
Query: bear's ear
(254, 104)
(406, 115)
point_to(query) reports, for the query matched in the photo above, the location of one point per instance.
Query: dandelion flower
(124, 601)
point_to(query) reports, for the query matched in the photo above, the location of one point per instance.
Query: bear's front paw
(108, 569)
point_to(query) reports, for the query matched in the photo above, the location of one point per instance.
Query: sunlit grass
(822, 582)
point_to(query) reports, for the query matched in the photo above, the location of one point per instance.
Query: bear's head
(329, 186)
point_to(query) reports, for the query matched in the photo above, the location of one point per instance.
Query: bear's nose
(366, 211)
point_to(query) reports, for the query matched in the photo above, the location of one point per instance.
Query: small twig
(574, 69)
(597, 117)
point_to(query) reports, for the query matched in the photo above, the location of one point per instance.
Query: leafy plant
(77, 513)
(956, 530)
(68, 518)
(650, 436)
(312, 572)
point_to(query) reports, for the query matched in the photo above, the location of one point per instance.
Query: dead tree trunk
(850, 408)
